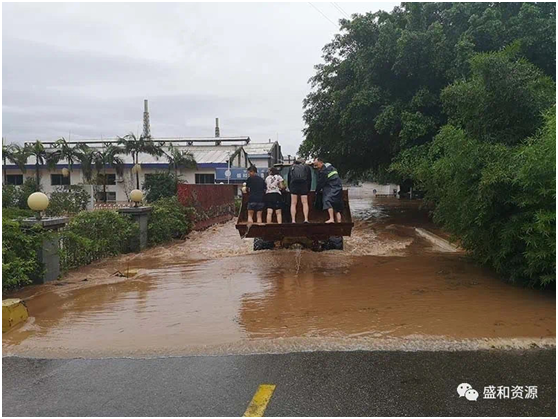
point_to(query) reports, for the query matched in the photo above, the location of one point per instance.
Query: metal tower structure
(217, 131)
(146, 125)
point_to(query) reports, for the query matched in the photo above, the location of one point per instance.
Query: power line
(341, 10)
(332, 22)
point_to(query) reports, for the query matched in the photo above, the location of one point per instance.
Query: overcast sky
(86, 68)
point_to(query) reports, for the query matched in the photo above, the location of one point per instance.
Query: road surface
(313, 383)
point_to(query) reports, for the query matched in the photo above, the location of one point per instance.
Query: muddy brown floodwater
(211, 294)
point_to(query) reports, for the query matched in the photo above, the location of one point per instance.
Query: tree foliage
(492, 175)
(168, 220)
(457, 98)
(160, 185)
(378, 91)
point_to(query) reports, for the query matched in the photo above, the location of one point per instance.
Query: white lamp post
(136, 196)
(38, 202)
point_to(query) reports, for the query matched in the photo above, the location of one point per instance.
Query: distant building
(264, 155)
(208, 156)
(218, 160)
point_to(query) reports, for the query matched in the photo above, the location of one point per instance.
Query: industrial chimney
(146, 125)
(217, 132)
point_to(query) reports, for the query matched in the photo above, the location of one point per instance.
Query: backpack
(298, 173)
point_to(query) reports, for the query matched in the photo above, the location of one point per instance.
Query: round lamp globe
(136, 195)
(37, 201)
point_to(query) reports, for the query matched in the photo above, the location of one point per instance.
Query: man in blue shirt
(256, 189)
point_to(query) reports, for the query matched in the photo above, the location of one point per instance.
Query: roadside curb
(443, 244)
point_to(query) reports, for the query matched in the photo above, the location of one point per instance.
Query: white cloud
(86, 67)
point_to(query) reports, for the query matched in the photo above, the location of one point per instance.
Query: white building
(264, 155)
(210, 155)
(219, 160)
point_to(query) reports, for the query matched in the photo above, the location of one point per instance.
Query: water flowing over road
(212, 294)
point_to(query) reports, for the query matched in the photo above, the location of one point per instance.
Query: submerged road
(314, 383)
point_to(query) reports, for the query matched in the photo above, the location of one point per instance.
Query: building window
(14, 179)
(58, 180)
(111, 179)
(205, 178)
(111, 196)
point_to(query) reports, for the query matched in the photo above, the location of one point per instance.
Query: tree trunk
(137, 172)
(105, 184)
(37, 176)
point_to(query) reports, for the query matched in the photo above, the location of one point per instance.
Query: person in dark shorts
(256, 189)
(330, 183)
(273, 198)
(300, 182)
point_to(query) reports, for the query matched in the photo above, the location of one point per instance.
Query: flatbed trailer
(317, 234)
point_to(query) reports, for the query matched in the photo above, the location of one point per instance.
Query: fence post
(47, 254)
(141, 216)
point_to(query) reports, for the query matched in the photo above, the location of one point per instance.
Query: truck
(316, 235)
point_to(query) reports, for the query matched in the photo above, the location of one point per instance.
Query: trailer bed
(316, 229)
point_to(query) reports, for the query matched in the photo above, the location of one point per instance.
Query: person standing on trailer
(330, 184)
(300, 182)
(273, 198)
(256, 189)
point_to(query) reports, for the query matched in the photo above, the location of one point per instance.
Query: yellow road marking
(259, 402)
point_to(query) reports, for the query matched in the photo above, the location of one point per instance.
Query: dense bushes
(451, 98)
(19, 253)
(160, 185)
(16, 196)
(93, 235)
(493, 187)
(67, 201)
(168, 220)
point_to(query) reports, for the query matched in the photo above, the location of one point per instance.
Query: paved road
(319, 383)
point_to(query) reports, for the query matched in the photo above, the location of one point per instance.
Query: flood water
(212, 294)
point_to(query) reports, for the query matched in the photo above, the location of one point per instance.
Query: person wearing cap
(330, 184)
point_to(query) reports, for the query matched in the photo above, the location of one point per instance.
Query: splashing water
(213, 294)
(298, 259)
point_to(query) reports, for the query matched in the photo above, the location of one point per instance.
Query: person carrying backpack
(300, 182)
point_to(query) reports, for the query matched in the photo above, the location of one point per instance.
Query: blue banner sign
(238, 174)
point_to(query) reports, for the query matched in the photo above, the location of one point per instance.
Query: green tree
(15, 154)
(65, 151)
(86, 157)
(160, 185)
(377, 93)
(179, 159)
(491, 173)
(104, 158)
(133, 146)
(43, 158)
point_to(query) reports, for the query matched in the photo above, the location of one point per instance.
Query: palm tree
(178, 158)
(15, 154)
(133, 146)
(42, 158)
(86, 157)
(108, 156)
(65, 152)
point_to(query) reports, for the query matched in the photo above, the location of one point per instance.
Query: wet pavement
(212, 294)
(379, 383)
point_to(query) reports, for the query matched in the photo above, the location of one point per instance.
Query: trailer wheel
(261, 244)
(334, 243)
